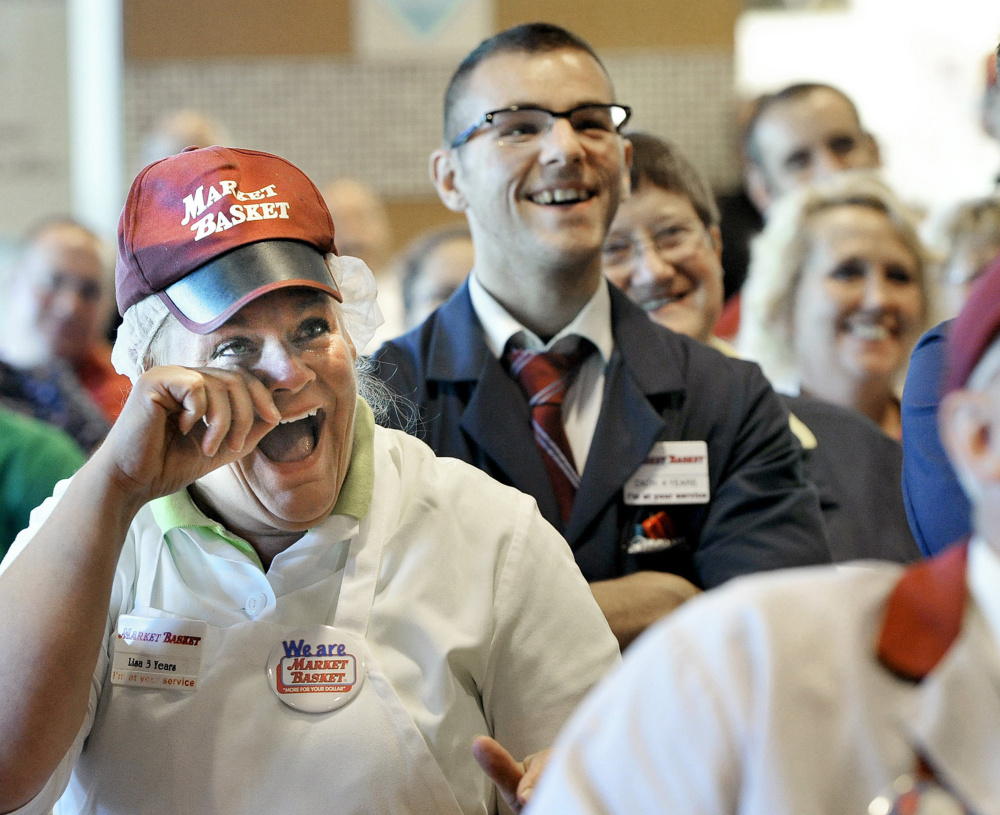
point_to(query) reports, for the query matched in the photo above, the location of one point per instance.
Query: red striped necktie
(545, 376)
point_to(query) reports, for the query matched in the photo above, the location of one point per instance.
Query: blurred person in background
(663, 251)
(178, 130)
(664, 247)
(56, 301)
(432, 269)
(936, 505)
(34, 456)
(837, 295)
(364, 231)
(801, 134)
(60, 298)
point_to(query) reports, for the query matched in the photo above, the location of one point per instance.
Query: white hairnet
(144, 320)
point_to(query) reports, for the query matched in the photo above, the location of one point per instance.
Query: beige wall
(167, 43)
(195, 29)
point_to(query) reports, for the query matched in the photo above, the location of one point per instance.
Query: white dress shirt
(582, 406)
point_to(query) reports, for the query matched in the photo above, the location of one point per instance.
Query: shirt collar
(179, 511)
(593, 322)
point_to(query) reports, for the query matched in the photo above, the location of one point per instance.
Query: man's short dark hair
(658, 162)
(763, 103)
(530, 38)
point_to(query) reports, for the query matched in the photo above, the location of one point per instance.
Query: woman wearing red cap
(252, 598)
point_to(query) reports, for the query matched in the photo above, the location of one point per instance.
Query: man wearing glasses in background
(667, 467)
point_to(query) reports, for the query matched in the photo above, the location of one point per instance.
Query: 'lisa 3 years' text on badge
(316, 668)
(157, 652)
(674, 472)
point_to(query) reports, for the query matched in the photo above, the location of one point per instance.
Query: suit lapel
(647, 363)
(496, 417)
(626, 429)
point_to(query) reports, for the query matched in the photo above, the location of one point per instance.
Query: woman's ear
(967, 422)
(443, 174)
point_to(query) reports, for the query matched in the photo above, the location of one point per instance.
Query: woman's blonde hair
(780, 252)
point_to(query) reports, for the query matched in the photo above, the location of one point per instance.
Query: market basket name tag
(156, 652)
(674, 472)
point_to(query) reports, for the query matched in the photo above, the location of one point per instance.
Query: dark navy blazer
(659, 386)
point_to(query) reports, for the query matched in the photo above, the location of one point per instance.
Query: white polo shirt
(478, 602)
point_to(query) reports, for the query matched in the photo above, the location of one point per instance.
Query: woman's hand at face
(179, 424)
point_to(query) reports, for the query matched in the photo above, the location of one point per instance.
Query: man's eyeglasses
(520, 124)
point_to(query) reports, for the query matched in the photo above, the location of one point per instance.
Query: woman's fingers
(240, 412)
(221, 407)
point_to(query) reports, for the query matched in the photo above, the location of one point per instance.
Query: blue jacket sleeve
(936, 506)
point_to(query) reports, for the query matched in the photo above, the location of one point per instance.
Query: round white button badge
(316, 668)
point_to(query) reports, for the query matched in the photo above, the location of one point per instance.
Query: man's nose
(283, 368)
(561, 142)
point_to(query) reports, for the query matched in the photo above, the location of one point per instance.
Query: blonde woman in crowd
(837, 295)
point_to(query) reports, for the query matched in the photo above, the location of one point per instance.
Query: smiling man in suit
(667, 467)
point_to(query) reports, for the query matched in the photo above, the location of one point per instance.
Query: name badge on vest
(674, 472)
(316, 668)
(158, 652)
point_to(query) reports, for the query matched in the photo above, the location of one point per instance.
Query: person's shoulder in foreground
(33, 457)
(755, 698)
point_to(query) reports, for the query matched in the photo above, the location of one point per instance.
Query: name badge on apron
(158, 652)
(674, 472)
(316, 668)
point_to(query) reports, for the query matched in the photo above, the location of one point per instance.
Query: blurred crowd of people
(574, 334)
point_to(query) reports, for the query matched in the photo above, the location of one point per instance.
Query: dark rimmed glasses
(521, 124)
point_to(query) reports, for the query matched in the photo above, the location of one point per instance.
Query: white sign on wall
(422, 29)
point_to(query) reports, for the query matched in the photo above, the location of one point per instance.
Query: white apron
(232, 746)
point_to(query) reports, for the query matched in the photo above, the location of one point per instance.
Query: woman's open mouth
(294, 439)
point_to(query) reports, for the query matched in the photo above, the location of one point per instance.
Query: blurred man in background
(800, 134)
(60, 299)
(803, 133)
(364, 231)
